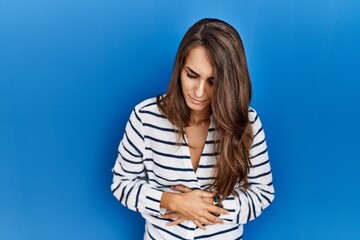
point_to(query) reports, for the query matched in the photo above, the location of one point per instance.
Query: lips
(197, 101)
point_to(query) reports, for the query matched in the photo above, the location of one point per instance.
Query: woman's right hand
(188, 204)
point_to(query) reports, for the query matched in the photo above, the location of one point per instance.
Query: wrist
(169, 201)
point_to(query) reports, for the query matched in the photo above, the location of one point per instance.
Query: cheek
(210, 92)
(185, 83)
(182, 83)
(184, 88)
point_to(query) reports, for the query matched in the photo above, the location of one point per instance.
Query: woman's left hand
(180, 218)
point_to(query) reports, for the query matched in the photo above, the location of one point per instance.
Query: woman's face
(197, 79)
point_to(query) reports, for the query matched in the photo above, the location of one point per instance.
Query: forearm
(137, 195)
(168, 201)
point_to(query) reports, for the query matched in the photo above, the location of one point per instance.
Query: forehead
(199, 61)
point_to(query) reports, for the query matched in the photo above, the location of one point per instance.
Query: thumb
(207, 194)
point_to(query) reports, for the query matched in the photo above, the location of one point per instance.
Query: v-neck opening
(187, 146)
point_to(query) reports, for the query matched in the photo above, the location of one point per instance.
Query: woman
(194, 161)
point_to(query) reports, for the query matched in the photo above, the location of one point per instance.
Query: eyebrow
(191, 71)
(195, 73)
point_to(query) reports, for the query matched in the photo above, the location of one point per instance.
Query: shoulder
(256, 124)
(254, 120)
(253, 115)
(146, 104)
(148, 108)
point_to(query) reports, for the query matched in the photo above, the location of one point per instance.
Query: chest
(196, 138)
(168, 163)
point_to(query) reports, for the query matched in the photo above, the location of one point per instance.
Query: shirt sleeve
(130, 184)
(249, 203)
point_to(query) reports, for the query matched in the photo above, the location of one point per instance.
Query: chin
(195, 107)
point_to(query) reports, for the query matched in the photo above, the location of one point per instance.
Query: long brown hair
(230, 102)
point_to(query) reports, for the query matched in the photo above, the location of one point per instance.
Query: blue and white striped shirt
(149, 162)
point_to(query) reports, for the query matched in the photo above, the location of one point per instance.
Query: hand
(194, 205)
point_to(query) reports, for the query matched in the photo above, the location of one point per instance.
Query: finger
(208, 200)
(215, 209)
(204, 221)
(176, 222)
(181, 188)
(199, 225)
(211, 219)
(206, 194)
(170, 215)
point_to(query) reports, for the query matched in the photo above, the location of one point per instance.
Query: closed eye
(191, 76)
(191, 73)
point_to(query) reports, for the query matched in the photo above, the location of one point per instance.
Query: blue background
(71, 72)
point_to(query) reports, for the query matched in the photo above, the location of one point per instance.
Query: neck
(199, 117)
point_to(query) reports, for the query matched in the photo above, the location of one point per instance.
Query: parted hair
(229, 105)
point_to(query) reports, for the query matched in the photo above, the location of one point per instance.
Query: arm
(130, 184)
(194, 205)
(131, 188)
(250, 203)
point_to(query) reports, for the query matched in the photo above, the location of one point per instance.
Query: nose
(200, 89)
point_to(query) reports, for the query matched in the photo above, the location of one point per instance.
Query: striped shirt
(149, 162)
